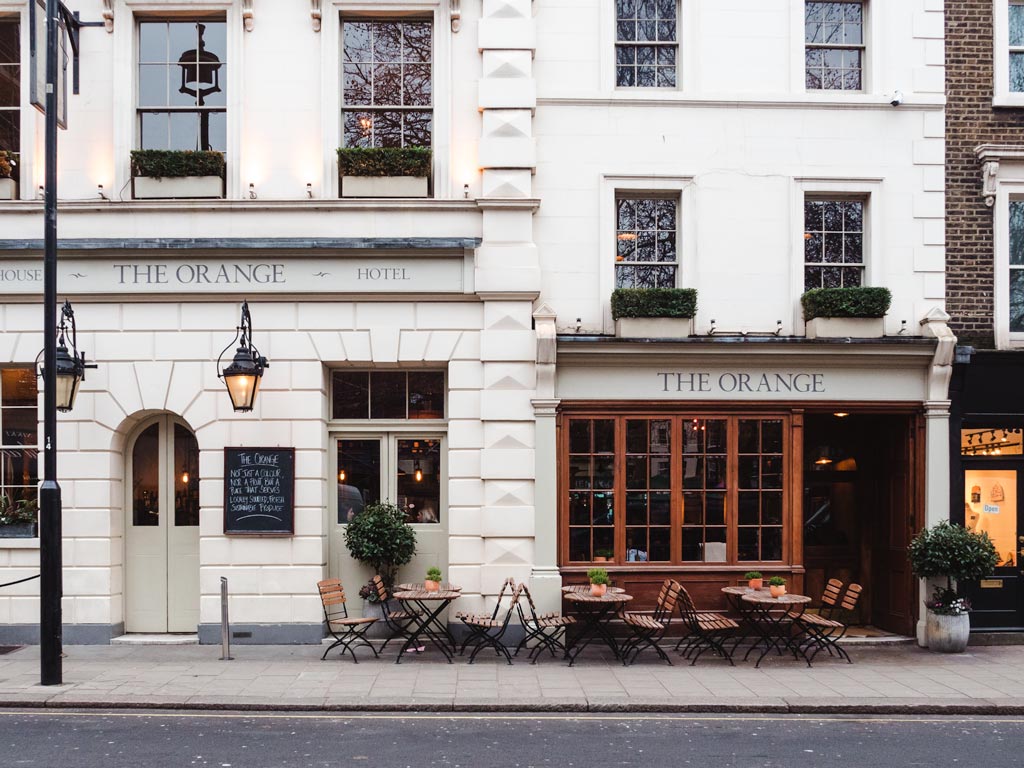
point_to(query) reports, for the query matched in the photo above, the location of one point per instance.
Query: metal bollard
(225, 629)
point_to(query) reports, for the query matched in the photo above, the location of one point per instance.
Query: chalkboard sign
(259, 490)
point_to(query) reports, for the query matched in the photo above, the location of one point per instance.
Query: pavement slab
(900, 679)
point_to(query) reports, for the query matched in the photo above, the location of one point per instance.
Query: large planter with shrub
(8, 186)
(380, 537)
(18, 519)
(384, 171)
(857, 313)
(654, 313)
(168, 174)
(956, 554)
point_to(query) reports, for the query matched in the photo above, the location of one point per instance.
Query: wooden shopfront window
(674, 489)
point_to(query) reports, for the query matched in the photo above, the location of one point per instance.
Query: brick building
(985, 285)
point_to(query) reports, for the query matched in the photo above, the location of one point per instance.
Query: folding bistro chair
(346, 630)
(826, 631)
(546, 628)
(649, 628)
(706, 630)
(490, 631)
(474, 621)
(397, 621)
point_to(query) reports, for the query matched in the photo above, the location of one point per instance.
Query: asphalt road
(80, 739)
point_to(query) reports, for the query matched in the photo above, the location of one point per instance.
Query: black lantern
(70, 365)
(242, 376)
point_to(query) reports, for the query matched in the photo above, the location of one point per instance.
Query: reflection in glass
(426, 395)
(358, 476)
(387, 395)
(419, 480)
(186, 477)
(350, 395)
(146, 478)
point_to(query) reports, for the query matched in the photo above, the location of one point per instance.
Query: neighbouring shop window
(403, 468)
(833, 243)
(1017, 266)
(388, 395)
(182, 98)
(387, 93)
(19, 470)
(834, 45)
(674, 489)
(990, 506)
(1005, 441)
(646, 255)
(10, 86)
(646, 43)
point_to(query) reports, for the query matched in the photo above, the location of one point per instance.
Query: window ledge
(799, 100)
(1008, 100)
(12, 542)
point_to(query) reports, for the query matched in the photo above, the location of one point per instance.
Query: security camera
(897, 98)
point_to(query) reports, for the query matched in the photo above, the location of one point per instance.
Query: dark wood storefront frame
(705, 580)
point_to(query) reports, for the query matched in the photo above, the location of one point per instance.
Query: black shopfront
(987, 475)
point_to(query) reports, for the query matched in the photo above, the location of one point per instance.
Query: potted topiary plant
(956, 554)
(380, 537)
(8, 186)
(845, 312)
(164, 173)
(777, 586)
(384, 171)
(654, 313)
(18, 519)
(433, 581)
(754, 579)
(598, 581)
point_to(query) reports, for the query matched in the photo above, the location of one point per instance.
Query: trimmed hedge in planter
(176, 164)
(846, 302)
(384, 161)
(654, 302)
(6, 166)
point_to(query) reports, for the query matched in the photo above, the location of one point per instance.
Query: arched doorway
(162, 528)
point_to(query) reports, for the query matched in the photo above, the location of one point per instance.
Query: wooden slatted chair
(475, 622)
(346, 630)
(489, 631)
(649, 628)
(547, 629)
(398, 621)
(825, 631)
(705, 630)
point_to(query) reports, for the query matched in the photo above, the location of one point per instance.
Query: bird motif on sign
(321, 274)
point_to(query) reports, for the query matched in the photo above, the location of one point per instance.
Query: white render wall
(741, 141)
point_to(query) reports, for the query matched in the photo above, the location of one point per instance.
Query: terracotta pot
(598, 590)
(756, 583)
(777, 591)
(948, 634)
(431, 586)
(600, 559)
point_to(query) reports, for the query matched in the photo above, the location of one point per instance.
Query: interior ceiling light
(840, 414)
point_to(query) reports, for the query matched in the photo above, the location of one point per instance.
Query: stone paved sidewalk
(985, 680)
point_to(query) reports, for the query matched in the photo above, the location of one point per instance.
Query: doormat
(9, 648)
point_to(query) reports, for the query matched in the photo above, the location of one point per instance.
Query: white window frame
(1008, 191)
(1002, 96)
(870, 191)
(30, 173)
(613, 187)
(872, 39)
(125, 89)
(685, 64)
(331, 80)
(863, 47)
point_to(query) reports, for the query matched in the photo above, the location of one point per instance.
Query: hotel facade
(447, 343)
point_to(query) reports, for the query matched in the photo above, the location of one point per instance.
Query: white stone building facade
(546, 119)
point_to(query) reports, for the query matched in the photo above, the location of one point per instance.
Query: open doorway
(861, 507)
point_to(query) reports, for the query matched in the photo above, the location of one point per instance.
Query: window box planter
(8, 189)
(164, 174)
(856, 313)
(654, 313)
(8, 186)
(384, 171)
(19, 531)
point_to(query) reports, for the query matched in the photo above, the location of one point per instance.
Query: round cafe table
(421, 604)
(594, 613)
(772, 619)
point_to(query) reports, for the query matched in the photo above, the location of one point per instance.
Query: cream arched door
(162, 529)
